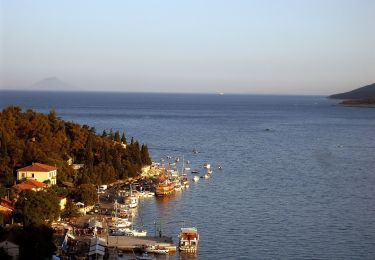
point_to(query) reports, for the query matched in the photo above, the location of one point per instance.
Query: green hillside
(28, 136)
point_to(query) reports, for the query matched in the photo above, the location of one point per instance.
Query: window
(32, 175)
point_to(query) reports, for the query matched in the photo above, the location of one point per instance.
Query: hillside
(366, 92)
(27, 137)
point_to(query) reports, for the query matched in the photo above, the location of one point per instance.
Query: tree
(3, 145)
(123, 138)
(86, 193)
(117, 136)
(145, 156)
(36, 242)
(70, 210)
(36, 208)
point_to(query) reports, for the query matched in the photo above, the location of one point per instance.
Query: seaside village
(104, 229)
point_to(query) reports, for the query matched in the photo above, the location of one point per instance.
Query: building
(39, 172)
(62, 203)
(11, 248)
(29, 184)
(6, 209)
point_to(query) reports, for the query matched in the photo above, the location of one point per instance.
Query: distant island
(52, 84)
(364, 96)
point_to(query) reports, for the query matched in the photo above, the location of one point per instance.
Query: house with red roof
(39, 172)
(30, 184)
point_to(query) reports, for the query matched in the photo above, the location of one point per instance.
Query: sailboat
(132, 200)
(184, 178)
(120, 222)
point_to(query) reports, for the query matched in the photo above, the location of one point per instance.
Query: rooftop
(29, 184)
(38, 167)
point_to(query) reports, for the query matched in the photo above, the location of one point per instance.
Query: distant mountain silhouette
(366, 92)
(52, 84)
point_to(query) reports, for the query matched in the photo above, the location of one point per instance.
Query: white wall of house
(39, 176)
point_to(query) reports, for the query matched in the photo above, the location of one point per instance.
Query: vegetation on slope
(27, 137)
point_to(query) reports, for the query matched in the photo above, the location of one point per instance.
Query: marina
(109, 228)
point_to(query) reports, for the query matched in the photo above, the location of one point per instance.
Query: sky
(315, 47)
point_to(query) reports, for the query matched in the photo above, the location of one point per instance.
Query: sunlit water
(304, 189)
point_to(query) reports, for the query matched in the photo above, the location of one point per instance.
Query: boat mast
(183, 165)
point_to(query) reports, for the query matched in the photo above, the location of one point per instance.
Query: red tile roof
(38, 167)
(6, 204)
(29, 184)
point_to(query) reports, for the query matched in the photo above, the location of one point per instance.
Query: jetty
(131, 243)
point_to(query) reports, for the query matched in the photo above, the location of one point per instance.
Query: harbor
(109, 229)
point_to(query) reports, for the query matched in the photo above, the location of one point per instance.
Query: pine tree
(3, 145)
(123, 138)
(145, 156)
(111, 135)
(117, 136)
(104, 134)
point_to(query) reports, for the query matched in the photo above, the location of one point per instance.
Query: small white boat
(178, 187)
(144, 256)
(207, 165)
(206, 176)
(135, 233)
(196, 178)
(187, 168)
(121, 223)
(194, 172)
(156, 250)
(149, 194)
(220, 168)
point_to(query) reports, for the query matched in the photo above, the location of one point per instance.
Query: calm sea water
(303, 190)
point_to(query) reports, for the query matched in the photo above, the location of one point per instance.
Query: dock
(129, 243)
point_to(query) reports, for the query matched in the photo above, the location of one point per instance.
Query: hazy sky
(277, 47)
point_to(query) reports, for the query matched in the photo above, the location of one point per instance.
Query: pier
(129, 243)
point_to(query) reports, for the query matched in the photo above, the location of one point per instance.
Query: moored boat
(144, 256)
(156, 250)
(196, 178)
(188, 239)
(207, 165)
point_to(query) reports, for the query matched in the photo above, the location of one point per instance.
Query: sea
(297, 178)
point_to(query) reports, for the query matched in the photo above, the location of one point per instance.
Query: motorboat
(121, 223)
(206, 176)
(188, 239)
(135, 233)
(156, 250)
(194, 171)
(144, 256)
(207, 165)
(196, 178)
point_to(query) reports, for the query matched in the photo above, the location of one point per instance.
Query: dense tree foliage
(36, 242)
(70, 210)
(27, 137)
(37, 208)
(85, 193)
